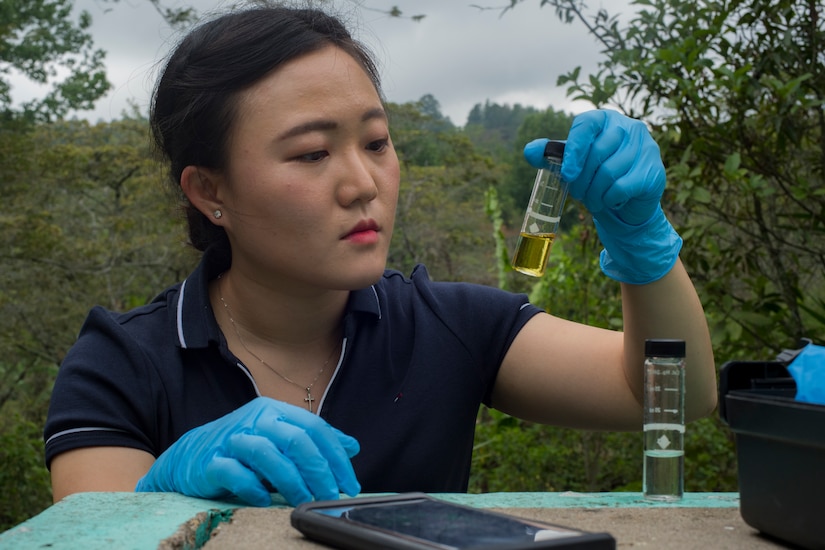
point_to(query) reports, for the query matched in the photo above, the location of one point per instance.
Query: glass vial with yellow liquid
(541, 220)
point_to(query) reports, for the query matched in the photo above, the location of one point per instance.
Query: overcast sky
(460, 54)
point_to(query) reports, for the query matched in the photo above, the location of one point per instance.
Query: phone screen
(446, 526)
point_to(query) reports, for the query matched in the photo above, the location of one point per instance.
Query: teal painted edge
(590, 500)
(142, 520)
(111, 520)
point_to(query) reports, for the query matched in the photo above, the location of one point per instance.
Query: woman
(289, 359)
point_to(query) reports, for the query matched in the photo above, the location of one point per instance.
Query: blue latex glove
(613, 166)
(808, 371)
(297, 452)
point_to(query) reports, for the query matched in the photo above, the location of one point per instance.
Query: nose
(357, 180)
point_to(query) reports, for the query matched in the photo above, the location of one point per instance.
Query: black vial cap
(664, 348)
(554, 148)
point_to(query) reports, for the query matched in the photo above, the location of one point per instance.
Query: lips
(365, 231)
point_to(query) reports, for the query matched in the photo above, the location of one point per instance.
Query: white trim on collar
(377, 301)
(181, 337)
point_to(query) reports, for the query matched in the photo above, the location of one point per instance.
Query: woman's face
(312, 180)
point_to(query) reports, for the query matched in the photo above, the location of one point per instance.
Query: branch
(564, 9)
(395, 11)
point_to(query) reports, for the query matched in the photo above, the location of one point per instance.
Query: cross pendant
(309, 399)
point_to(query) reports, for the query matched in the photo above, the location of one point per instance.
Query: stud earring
(217, 214)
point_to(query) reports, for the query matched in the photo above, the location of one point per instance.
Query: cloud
(463, 55)
(460, 54)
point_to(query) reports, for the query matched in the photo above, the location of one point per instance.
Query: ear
(202, 187)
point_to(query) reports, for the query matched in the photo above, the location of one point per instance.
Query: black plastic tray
(780, 450)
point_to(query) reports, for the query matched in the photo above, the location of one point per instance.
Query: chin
(364, 280)
(364, 275)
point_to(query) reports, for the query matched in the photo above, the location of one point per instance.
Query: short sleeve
(103, 391)
(486, 319)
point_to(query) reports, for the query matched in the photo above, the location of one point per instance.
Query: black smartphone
(418, 521)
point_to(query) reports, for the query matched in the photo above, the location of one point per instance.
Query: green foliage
(516, 187)
(44, 42)
(440, 222)
(502, 131)
(176, 17)
(573, 287)
(421, 134)
(710, 458)
(493, 127)
(492, 208)
(440, 219)
(733, 92)
(84, 222)
(40, 40)
(514, 455)
(26, 489)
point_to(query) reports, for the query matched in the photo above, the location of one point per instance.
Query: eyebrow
(326, 125)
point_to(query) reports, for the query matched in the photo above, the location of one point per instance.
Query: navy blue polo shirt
(419, 358)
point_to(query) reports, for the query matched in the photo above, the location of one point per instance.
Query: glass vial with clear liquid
(541, 220)
(664, 420)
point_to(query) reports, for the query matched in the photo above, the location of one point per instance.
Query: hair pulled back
(195, 99)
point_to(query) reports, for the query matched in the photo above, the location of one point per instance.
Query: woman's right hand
(614, 167)
(295, 451)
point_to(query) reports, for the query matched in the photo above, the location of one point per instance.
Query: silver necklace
(308, 399)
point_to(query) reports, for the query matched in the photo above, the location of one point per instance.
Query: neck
(271, 317)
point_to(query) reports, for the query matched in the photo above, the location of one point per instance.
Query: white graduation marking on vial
(542, 217)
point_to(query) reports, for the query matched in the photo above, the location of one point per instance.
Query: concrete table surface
(169, 521)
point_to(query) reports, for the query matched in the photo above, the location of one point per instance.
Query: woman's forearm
(670, 308)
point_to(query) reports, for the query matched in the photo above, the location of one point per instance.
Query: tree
(492, 127)
(549, 124)
(84, 222)
(734, 93)
(40, 41)
(87, 223)
(176, 17)
(421, 133)
(440, 219)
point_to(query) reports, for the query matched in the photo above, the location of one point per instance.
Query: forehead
(326, 81)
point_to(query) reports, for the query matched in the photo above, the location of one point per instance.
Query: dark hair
(195, 99)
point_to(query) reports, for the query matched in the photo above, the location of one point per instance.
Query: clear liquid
(532, 252)
(664, 475)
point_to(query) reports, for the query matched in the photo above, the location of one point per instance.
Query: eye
(315, 156)
(378, 145)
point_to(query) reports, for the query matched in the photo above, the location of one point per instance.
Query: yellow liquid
(532, 251)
